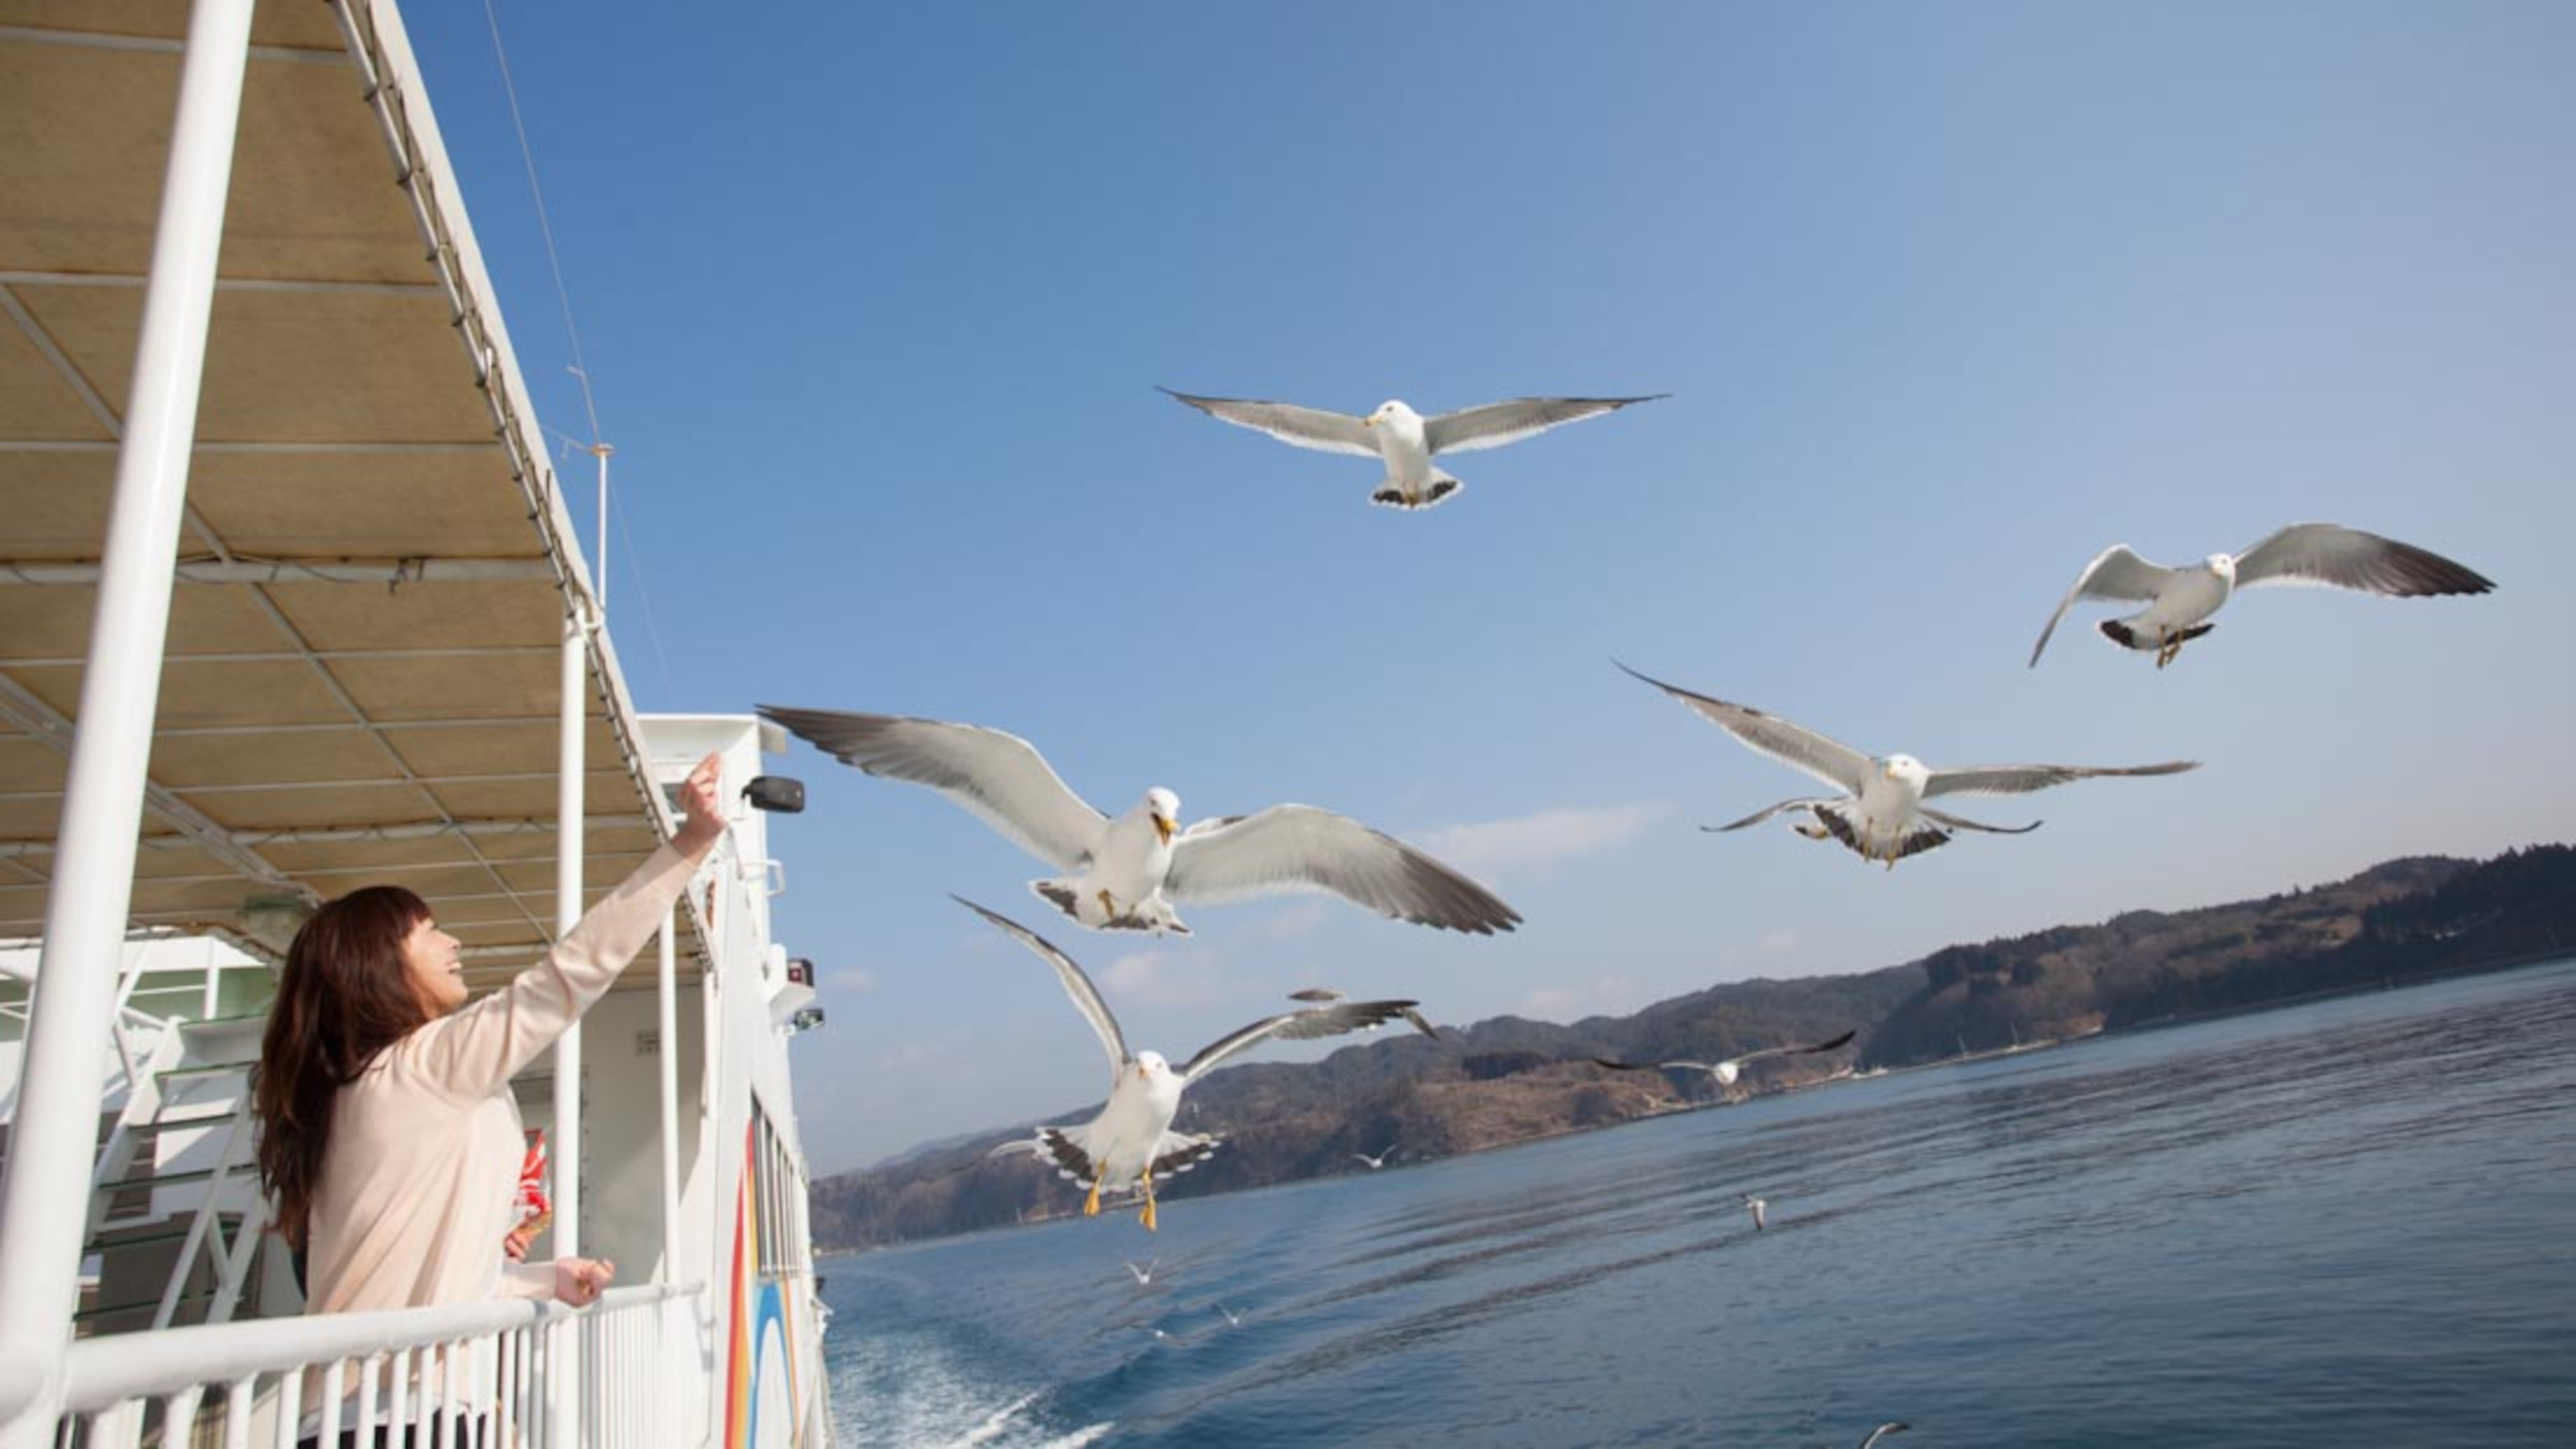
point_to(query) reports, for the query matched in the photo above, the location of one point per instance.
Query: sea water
(2347, 1222)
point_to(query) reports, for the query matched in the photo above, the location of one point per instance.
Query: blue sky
(1948, 299)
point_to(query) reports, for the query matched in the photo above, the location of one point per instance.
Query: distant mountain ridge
(1508, 1079)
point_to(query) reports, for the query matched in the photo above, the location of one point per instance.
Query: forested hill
(1508, 1080)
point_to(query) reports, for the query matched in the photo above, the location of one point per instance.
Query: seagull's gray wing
(1831, 761)
(2115, 574)
(2326, 554)
(1319, 993)
(1765, 813)
(1653, 1066)
(1000, 777)
(1791, 1051)
(1898, 1426)
(1086, 997)
(1495, 424)
(1339, 1019)
(1961, 822)
(2022, 779)
(1301, 848)
(1327, 432)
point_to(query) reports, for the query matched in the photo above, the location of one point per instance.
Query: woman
(389, 1139)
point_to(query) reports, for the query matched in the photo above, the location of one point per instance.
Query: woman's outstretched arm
(474, 1052)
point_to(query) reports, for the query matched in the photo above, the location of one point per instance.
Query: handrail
(100, 1372)
(19, 1381)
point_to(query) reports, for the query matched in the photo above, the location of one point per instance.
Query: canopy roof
(363, 671)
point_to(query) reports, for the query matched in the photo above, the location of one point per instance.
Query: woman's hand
(580, 1281)
(702, 803)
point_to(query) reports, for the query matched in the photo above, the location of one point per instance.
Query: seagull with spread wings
(1124, 874)
(1406, 440)
(1130, 1145)
(1726, 1072)
(2179, 601)
(1881, 814)
(1419, 1022)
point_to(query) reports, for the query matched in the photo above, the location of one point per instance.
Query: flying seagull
(1881, 814)
(1130, 1145)
(1895, 1426)
(1379, 1160)
(1142, 1272)
(1728, 1070)
(1405, 439)
(1419, 1022)
(1124, 874)
(2180, 601)
(1757, 1207)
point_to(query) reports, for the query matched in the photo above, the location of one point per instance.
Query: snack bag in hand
(535, 1208)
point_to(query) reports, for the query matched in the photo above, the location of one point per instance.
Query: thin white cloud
(1533, 845)
(1607, 996)
(1161, 979)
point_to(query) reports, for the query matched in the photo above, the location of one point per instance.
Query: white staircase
(176, 1215)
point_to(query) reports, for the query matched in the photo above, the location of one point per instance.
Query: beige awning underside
(365, 688)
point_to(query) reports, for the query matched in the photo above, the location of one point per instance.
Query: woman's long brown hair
(343, 997)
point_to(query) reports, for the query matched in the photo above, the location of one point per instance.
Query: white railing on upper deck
(461, 1377)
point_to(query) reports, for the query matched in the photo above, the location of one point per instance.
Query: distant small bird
(1144, 1272)
(1406, 440)
(1168, 1340)
(1130, 1143)
(1420, 1022)
(2180, 600)
(1379, 1160)
(1896, 1426)
(1232, 1318)
(1881, 815)
(1124, 874)
(1733, 1067)
(1756, 1207)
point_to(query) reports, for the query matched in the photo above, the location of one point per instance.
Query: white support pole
(602, 452)
(74, 1005)
(566, 1154)
(667, 1027)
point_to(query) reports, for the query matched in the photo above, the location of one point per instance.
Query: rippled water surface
(2352, 1222)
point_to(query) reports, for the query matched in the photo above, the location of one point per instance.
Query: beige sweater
(418, 1184)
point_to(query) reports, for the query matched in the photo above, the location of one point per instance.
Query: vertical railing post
(568, 895)
(667, 1024)
(85, 917)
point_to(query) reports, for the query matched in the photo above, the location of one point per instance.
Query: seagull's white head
(1164, 809)
(1391, 412)
(2221, 564)
(1905, 769)
(1727, 1072)
(1150, 1066)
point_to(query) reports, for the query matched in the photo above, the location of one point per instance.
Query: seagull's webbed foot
(1091, 1204)
(1108, 907)
(1147, 1216)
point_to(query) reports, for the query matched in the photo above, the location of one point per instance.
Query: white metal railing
(458, 1377)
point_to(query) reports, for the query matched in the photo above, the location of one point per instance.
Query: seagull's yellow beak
(1140, 1071)
(1368, 422)
(1163, 828)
